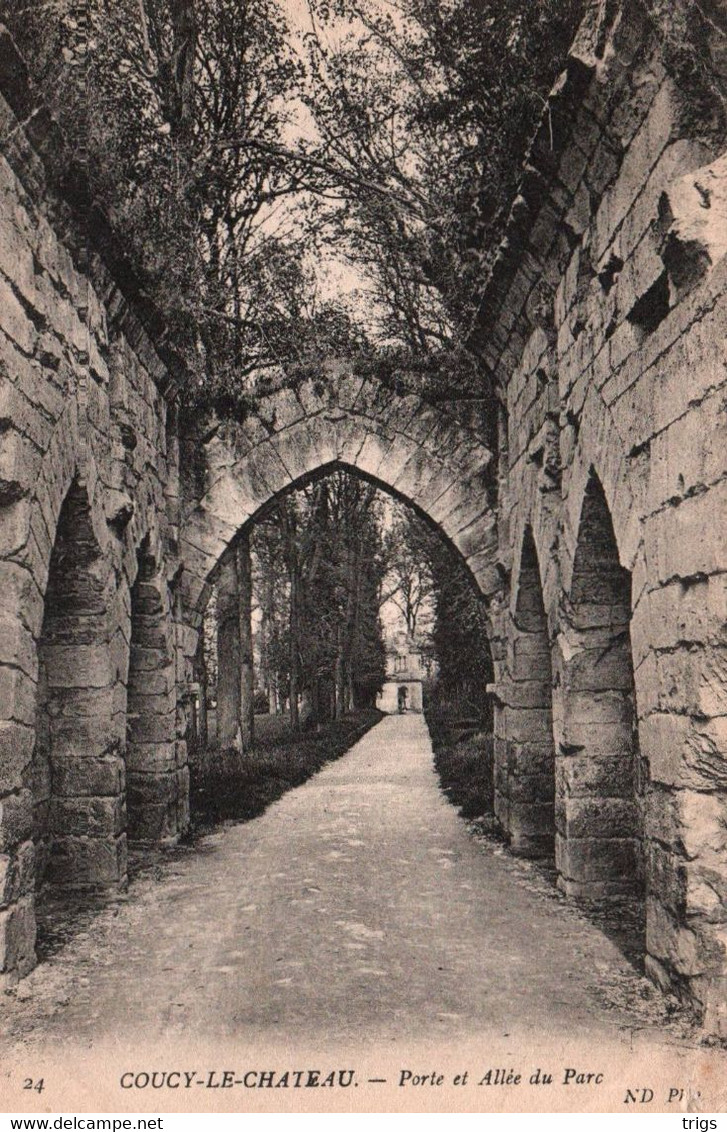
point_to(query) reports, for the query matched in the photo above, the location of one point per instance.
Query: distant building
(406, 670)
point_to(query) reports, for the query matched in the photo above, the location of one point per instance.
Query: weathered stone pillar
(525, 764)
(78, 767)
(524, 749)
(17, 851)
(153, 759)
(530, 781)
(235, 708)
(185, 643)
(497, 643)
(501, 759)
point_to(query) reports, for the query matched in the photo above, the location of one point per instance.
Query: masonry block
(17, 939)
(608, 818)
(586, 860)
(17, 741)
(581, 775)
(88, 863)
(151, 758)
(16, 819)
(87, 817)
(17, 874)
(77, 777)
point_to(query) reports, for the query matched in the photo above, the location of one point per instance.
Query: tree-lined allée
(323, 648)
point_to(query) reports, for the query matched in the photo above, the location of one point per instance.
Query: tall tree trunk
(247, 676)
(184, 46)
(228, 654)
(339, 673)
(347, 633)
(317, 712)
(292, 557)
(294, 662)
(200, 666)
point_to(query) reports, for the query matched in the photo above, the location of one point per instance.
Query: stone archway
(422, 454)
(425, 456)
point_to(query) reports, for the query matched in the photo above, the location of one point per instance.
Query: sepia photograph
(363, 556)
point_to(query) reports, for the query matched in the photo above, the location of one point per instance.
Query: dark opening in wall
(653, 306)
(610, 272)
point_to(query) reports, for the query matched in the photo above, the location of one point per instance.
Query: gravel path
(358, 907)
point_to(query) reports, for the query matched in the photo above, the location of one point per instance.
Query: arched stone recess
(77, 770)
(600, 776)
(28, 526)
(418, 452)
(600, 445)
(156, 756)
(524, 748)
(67, 561)
(670, 538)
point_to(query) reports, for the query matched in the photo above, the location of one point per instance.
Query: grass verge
(228, 786)
(463, 757)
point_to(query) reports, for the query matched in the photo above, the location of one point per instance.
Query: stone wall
(88, 514)
(604, 327)
(427, 455)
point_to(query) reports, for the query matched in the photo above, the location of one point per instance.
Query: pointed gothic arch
(599, 824)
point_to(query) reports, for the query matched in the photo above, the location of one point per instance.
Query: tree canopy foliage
(330, 176)
(423, 111)
(239, 145)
